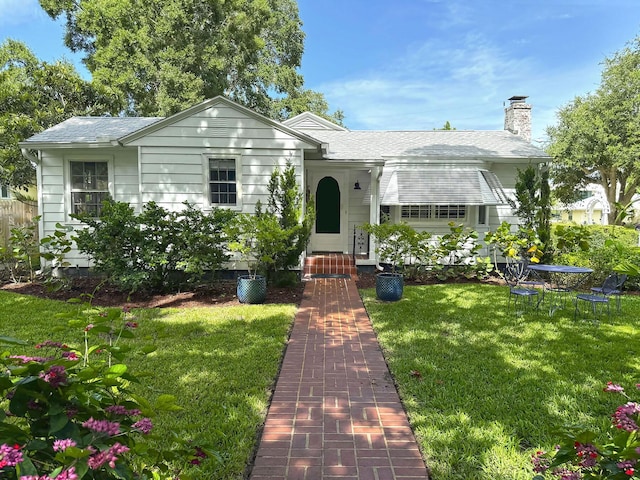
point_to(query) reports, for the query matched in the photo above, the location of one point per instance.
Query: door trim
(322, 242)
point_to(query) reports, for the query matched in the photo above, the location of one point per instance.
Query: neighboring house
(591, 209)
(219, 153)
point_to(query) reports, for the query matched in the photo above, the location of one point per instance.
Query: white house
(219, 153)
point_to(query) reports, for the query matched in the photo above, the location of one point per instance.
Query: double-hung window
(5, 193)
(89, 186)
(223, 181)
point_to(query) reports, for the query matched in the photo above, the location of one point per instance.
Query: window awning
(445, 186)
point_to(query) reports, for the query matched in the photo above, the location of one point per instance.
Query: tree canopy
(597, 138)
(532, 205)
(36, 95)
(163, 56)
(447, 126)
(154, 58)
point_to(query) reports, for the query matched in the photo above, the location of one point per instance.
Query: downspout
(374, 208)
(26, 153)
(35, 160)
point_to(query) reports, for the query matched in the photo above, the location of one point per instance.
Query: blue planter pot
(252, 289)
(389, 286)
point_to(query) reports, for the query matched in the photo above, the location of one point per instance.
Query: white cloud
(466, 83)
(432, 83)
(17, 12)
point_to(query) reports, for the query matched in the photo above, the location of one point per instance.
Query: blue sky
(414, 64)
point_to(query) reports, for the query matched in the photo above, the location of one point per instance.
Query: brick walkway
(335, 413)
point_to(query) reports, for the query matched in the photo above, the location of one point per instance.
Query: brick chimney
(517, 117)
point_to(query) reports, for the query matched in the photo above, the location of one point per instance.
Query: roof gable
(211, 104)
(311, 121)
(105, 131)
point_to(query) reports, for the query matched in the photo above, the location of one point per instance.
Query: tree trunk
(610, 194)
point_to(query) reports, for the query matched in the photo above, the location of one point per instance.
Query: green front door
(328, 206)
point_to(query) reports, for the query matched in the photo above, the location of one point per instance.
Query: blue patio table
(561, 279)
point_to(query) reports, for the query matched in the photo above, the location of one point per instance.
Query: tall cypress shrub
(286, 204)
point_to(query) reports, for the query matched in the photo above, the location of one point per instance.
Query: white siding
(53, 191)
(358, 206)
(507, 174)
(169, 166)
(173, 159)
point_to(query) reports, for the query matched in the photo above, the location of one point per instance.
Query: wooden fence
(14, 213)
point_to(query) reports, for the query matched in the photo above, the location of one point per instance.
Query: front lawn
(219, 362)
(485, 389)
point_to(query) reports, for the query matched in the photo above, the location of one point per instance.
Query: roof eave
(54, 145)
(347, 163)
(482, 158)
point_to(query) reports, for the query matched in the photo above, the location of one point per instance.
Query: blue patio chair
(531, 278)
(598, 299)
(617, 291)
(514, 274)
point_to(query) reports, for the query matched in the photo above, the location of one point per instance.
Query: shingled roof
(92, 129)
(374, 145)
(342, 144)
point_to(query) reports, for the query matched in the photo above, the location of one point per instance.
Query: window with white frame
(89, 186)
(449, 212)
(5, 192)
(428, 212)
(416, 212)
(223, 178)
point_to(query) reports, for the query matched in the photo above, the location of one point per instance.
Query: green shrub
(70, 413)
(54, 248)
(144, 252)
(418, 254)
(607, 247)
(626, 235)
(596, 235)
(607, 455)
(572, 238)
(286, 278)
(21, 257)
(396, 243)
(202, 241)
(256, 238)
(523, 243)
(285, 205)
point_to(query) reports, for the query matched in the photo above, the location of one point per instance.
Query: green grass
(219, 362)
(495, 387)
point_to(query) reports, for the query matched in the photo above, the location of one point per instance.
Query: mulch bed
(221, 293)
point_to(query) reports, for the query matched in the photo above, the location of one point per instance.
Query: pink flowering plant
(583, 456)
(69, 413)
